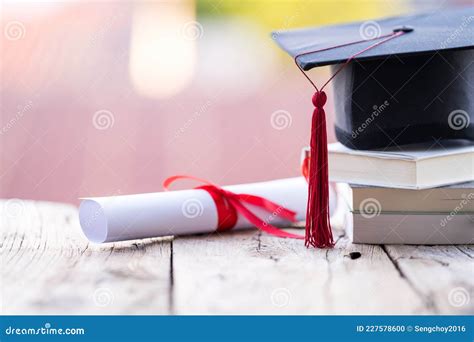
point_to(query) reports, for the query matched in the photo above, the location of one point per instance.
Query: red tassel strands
(318, 225)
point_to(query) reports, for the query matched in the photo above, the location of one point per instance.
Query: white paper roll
(118, 218)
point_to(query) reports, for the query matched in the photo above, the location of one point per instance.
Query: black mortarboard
(408, 90)
(399, 80)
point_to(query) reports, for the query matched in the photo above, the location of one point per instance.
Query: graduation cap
(396, 81)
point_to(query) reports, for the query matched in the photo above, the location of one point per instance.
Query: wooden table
(48, 267)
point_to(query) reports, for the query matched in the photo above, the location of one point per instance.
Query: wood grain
(247, 272)
(443, 276)
(48, 267)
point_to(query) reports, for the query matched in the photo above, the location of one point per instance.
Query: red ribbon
(230, 204)
(305, 166)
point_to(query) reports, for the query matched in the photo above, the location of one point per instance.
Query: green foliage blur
(286, 14)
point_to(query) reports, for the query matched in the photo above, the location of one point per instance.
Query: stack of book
(416, 195)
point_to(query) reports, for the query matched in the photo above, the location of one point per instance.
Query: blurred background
(110, 97)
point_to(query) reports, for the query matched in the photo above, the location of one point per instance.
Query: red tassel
(318, 226)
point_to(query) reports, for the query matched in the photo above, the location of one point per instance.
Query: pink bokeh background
(73, 61)
(57, 80)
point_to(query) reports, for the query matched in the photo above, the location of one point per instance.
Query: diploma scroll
(118, 218)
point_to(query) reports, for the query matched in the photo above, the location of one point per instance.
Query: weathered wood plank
(250, 273)
(48, 267)
(442, 275)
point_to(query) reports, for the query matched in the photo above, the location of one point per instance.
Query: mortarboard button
(405, 29)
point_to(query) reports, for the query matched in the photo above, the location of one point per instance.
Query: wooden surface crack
(464, 252)
(259, 241)
(171, 282)
(112, 248)
(426, 299)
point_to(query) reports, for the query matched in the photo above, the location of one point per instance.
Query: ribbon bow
(230, 204)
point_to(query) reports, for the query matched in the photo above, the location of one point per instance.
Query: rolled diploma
(118, 218)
